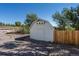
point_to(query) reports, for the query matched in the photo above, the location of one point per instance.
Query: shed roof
(41, 20)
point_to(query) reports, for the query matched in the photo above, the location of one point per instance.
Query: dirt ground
(22, 45)
(8, 37)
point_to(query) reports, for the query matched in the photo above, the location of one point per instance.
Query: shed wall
(42, 32)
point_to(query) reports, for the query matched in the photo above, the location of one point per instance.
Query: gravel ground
(22, 45)
(8, 37)
(31, 47)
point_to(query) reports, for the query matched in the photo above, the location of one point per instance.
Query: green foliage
(30, 18)
(60, 20)
(68, 17)
(24, 30)
(2, 24)
(17, 23)
(69, 28)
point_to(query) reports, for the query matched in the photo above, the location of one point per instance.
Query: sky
(11, 12)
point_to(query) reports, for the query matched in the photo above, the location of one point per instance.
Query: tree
(60, 20)
(2, 24)
(17, 23)
(69, 17)
(30, 18)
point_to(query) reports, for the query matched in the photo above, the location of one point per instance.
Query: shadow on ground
(25, 46)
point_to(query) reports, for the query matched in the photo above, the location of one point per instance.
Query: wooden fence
(66, 37)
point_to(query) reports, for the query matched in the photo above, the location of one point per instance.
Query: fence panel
(66, 37)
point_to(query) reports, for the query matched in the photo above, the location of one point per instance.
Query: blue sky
(11, 12)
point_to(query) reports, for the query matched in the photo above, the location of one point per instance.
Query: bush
(25, 30)
(70, 28)
(17, 23)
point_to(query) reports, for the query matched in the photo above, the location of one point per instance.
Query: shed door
(40, 32)
(44, 33)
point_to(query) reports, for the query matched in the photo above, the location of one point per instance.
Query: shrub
(25, 30)
(69, 28)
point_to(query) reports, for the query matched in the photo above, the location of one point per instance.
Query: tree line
(29, 19)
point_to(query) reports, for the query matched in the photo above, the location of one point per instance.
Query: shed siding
(41, 32)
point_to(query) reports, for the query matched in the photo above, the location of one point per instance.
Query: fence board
(66, 37)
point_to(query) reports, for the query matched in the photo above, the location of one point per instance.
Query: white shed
(42, 30)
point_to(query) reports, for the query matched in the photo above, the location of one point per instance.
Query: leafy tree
(30, 18)
(60, 20)
(17, 23)
(69, 17)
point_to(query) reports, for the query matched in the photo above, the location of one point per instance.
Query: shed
(42, 30)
